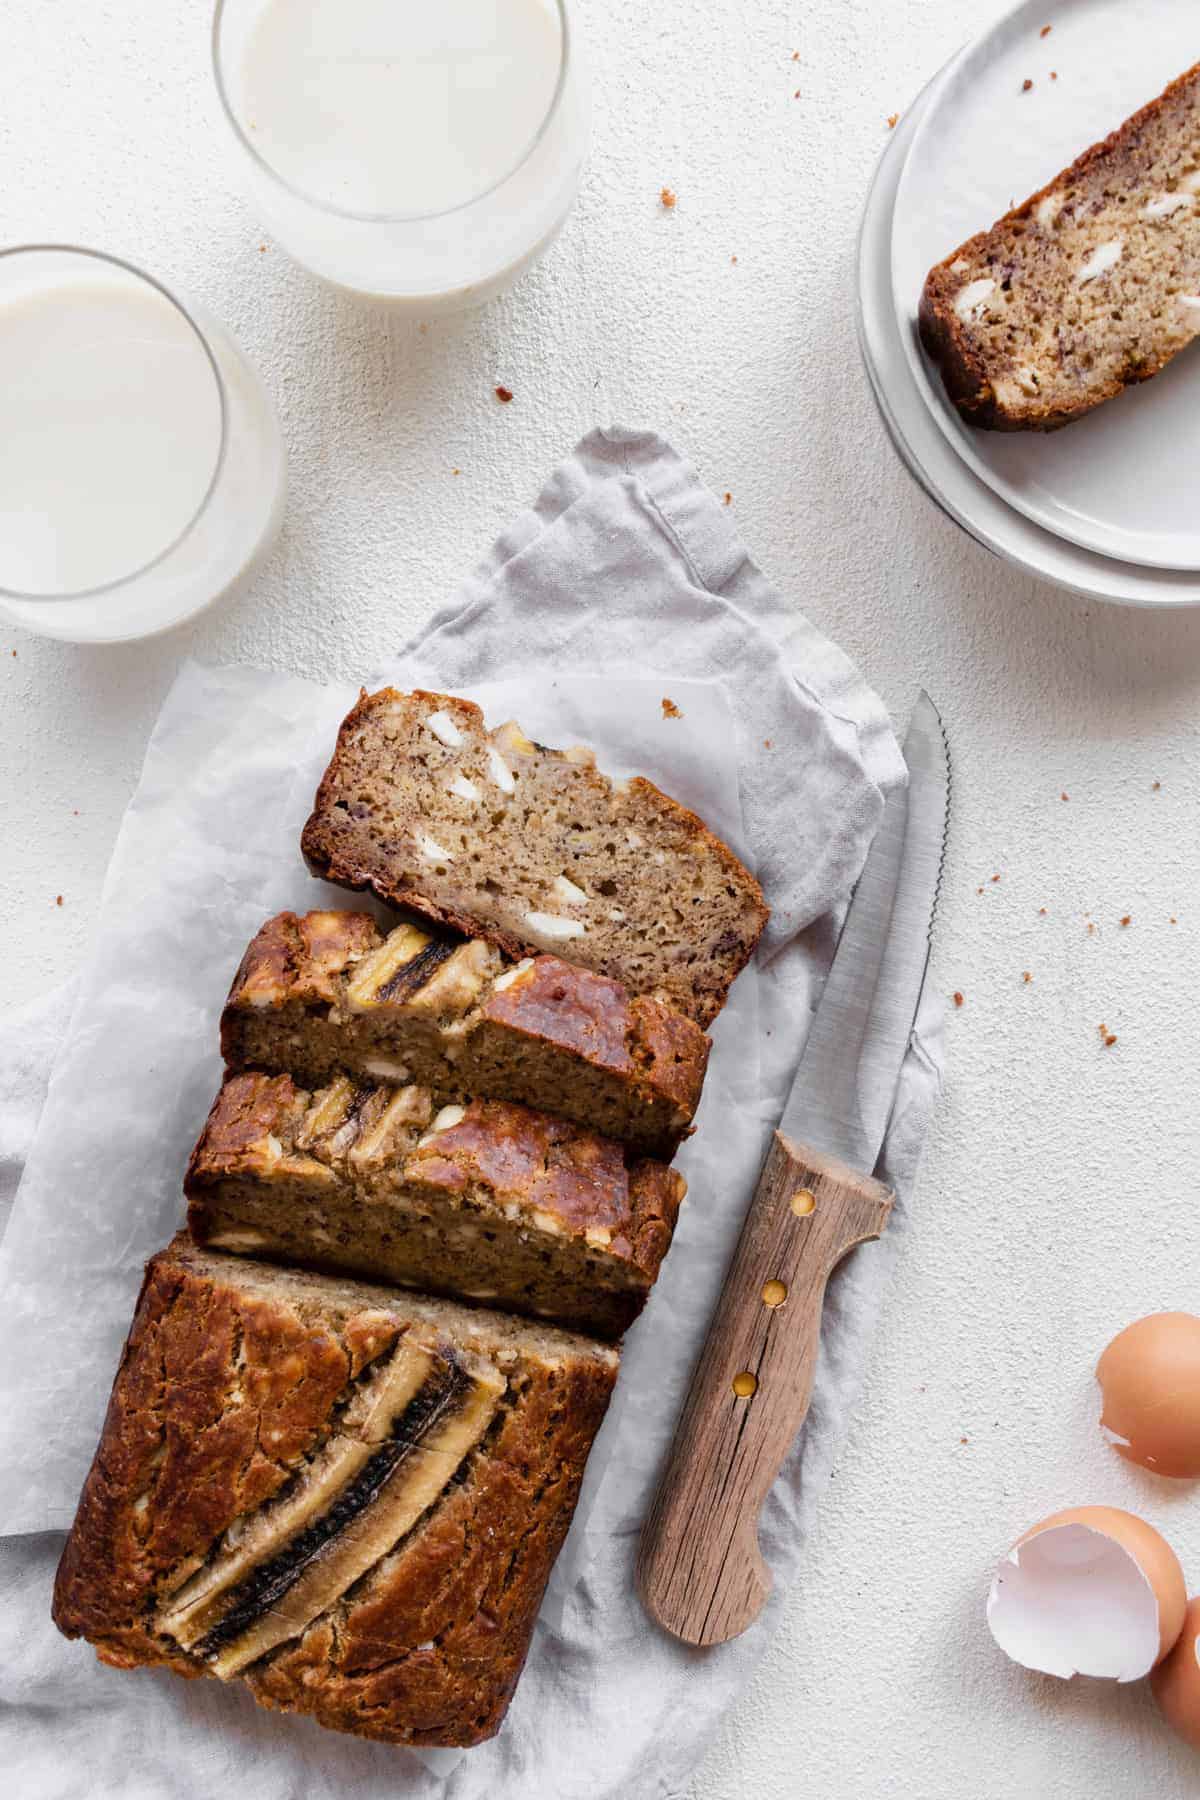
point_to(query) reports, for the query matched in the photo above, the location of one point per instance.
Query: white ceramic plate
(929, 453)
(1121, 481)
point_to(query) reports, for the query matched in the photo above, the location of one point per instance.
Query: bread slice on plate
(485, 1201)
(349, 1498)
(533, 849)
(1091, 285)
(327, 994)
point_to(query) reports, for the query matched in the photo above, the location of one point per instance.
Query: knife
(700, 1573)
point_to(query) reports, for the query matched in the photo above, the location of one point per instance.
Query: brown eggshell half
(1176, 1681)
(1148, 1548)
(1150, 1382)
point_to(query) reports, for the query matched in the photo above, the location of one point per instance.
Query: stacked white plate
(1110, 506)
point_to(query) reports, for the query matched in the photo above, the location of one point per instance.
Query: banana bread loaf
(533, 849)
(1091, 285)
(349, 1498)
(326, 993)
(486, 1202)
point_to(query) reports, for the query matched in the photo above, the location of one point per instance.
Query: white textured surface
(1059, 1192)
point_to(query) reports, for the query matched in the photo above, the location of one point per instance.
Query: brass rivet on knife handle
(700, 1572)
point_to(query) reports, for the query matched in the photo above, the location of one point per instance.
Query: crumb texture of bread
(488, 1201)
(347, 1497)
(1091, 285)
(533, 849)
(326, 993)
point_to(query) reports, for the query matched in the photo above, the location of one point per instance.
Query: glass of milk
(142, 471)
(422, 152)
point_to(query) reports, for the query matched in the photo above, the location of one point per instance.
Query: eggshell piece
(1176, 1681)
(1090, 1591)
(1150, 1383)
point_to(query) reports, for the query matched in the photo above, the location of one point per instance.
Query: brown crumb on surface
(1064, 796)
(58, 899)
(669, 197)
(962, 1440)
(796, 95)
(456, 471)
(979, 890)
(795, 56)
(503, 395)
(1026, 977)
(1091, 927)
(958, 999)
(729, 499)
(893, 121)
(766, 743)
(995, 878)
(1026, 85)
(1127, 920)
(1042, 912)
(1054, 74)
(1172, 920)
(1045, 31)
(733, 259)
(669, 708)
(1107, 1037)
(1155, 787)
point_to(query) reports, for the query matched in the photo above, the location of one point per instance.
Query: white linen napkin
(624, 584)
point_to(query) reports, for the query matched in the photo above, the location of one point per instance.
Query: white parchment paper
(626, 563)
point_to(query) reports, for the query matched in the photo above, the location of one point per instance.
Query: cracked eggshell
(1176, 1681)
(1149, 1380)
(1089, 1591)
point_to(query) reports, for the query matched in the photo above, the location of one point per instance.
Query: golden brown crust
(288, 1005)
(648, 1043)
(223, 1391)
(449, 1622)
(531, 1172)
(299, 956)
(964, 370)
(216, 1398)
(336, 849)
(247, 1112)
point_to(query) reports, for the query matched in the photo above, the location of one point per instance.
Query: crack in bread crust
(302, 1344)
(407, 1642)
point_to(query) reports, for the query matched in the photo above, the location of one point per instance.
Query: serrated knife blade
(842, 1094)
(699, 1570)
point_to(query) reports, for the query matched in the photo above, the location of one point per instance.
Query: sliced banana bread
(486, 1202)
(350, 1498)
(327, 993)
(1091, 285)
(533, 849)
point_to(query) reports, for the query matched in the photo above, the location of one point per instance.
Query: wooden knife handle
(700, 1572)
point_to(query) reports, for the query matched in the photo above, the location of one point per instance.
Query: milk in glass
(410, 150)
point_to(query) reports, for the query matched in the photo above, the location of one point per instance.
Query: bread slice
(327, 994)
(347, 1497)
(486, 1202)
(533, 849)
(1091, 285)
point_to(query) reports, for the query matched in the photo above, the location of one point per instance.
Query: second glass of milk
(417, 151)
